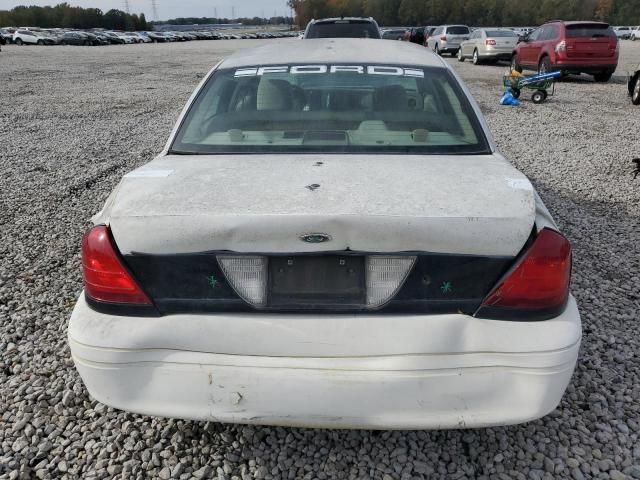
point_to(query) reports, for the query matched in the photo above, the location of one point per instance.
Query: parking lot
(75, 119)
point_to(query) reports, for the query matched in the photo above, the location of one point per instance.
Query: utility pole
(154, 8)
(233, 13)
(126, 6)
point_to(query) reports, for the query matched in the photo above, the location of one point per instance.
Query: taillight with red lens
(561, 47)
(490, 42)
(443, 38)
(105, 277)
(537, 287)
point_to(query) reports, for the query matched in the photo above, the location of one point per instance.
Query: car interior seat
(274, 95)
(390, 98)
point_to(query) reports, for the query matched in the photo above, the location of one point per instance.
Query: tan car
(488, 45)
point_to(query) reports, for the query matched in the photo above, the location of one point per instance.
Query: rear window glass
(501, 33)
(343, 29)
(458, 30)
(340, 108)
(589, 30)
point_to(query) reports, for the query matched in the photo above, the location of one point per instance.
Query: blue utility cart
(543, 85)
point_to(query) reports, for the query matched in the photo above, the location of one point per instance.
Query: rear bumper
(466, 382)
(579, 67)
(449, 48)
(495, 54)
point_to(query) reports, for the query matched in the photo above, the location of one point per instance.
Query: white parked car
(635, 34)
(129, 37)
(142, 37)
(447, 39)
(488, 45)
(330, 238)
(31, 37)
(623, 33)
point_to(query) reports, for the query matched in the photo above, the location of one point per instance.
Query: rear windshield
(458, 30)
(334, 107)
(501, 33)
(589, 30)
(343, 29)
(390, 33)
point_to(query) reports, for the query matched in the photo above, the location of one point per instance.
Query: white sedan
(129, 37)
(330, 238)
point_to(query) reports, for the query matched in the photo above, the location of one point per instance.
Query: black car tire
(476, 58)
(460, 56)
(635, 95)
(515, 64)
(19, 41)
(603, 77)
(40, 42)
(545, 65)
(436, 49)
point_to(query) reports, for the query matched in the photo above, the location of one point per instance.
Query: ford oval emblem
(316, 238)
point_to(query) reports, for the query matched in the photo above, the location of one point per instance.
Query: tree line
(471, 12)
(66, 16)
(213, 20)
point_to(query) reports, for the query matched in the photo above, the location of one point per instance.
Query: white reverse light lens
(248, 277)
(385, 275)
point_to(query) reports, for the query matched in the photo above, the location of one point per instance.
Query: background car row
(421, 34)
(572, 47)
(627, 33)
(38, 36)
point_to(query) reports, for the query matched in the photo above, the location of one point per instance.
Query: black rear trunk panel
(437, 283)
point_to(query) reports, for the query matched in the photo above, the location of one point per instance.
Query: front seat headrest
(274, 95)
(390, 98)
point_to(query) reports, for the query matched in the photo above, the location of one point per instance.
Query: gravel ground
(75, 119)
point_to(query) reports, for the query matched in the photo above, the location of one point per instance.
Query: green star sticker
(446, 287)
(213, 281)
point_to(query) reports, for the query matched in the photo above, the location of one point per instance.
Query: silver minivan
(447, 39)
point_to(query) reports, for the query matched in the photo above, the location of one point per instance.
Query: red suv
(572, 47)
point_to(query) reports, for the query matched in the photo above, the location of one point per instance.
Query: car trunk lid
(503, 43)
(467, 205)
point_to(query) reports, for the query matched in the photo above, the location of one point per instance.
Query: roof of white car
(335, 50)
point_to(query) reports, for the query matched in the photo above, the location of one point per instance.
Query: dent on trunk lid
(477, 205)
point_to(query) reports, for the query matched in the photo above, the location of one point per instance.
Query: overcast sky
(174, 8)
